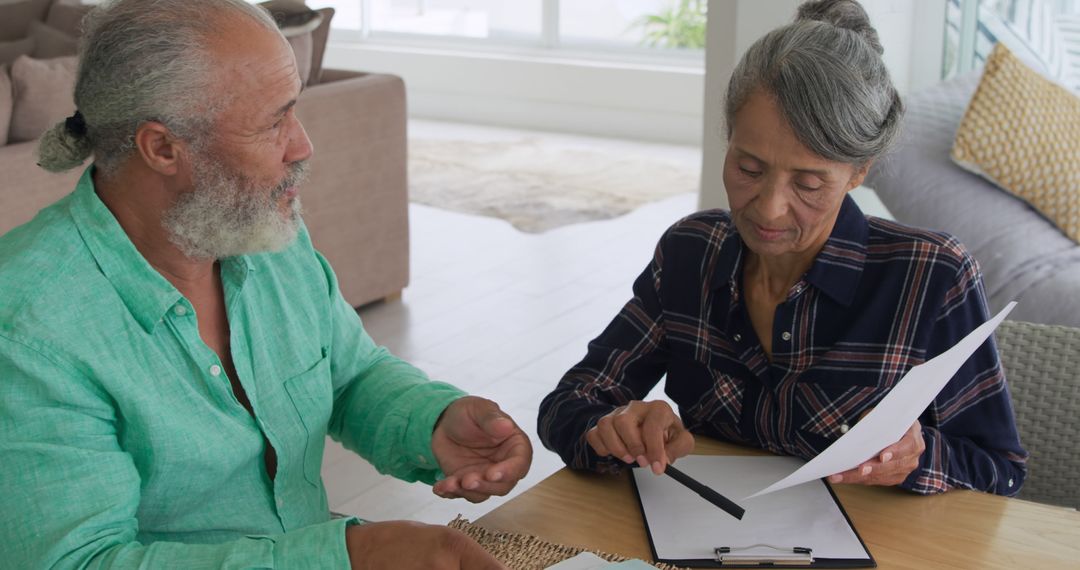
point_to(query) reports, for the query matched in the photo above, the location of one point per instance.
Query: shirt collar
(839, 265)
(145, 292)
(836, 269)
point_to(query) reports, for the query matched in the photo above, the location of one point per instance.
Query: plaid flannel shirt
(879, 299)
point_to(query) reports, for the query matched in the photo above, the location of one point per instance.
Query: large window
(674, 28)
(973, 27)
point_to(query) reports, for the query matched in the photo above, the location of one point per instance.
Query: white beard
(226, 214)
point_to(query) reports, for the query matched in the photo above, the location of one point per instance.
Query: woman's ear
(859, 175)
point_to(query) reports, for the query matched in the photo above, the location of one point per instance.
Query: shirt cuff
(422, 422)
(320, 545)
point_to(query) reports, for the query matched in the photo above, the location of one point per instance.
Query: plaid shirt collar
(836, 269)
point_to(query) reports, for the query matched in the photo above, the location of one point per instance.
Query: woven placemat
(524, 552)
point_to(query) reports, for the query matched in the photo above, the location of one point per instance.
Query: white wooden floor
(501, 314)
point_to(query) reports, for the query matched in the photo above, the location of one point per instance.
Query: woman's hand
(646, 432)
(892, 465)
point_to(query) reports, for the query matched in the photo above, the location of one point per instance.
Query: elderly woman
(780, 323)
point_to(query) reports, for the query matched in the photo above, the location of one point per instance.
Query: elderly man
(173, 352)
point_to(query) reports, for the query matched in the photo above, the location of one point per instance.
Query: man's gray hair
(143, 60)
(826, 74)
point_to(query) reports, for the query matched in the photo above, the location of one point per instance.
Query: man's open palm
(480, 449)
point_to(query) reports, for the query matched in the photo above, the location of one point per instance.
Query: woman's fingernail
(497, 476)
(642, 462)
(886, 456)
(471, 485)
(836, 478)
(628, 458)
(657, 468)
(865, 470)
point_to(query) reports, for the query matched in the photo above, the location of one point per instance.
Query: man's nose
(300, 147)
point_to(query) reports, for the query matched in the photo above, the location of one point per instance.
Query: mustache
(298, 174)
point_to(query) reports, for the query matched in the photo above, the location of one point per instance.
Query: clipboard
(801, 527)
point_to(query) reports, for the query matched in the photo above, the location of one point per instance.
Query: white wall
(911, 32)
(733, 26)
(646, 101)
(656, 102)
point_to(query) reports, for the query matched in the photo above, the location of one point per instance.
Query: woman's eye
(806, 188)
(748, 172)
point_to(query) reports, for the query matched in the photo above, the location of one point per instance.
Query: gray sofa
(1023, 256)
(356, 200)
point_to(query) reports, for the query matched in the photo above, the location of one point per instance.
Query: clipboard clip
(751, 554)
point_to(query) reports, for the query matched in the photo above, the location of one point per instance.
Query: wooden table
(958, 529)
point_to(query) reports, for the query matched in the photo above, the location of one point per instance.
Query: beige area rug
(536, 184)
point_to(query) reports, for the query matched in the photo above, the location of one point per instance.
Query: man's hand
(892, 465)
(646, 432)
(410, 545)
(480, 449)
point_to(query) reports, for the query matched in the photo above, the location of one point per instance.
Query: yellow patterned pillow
(1022, 132)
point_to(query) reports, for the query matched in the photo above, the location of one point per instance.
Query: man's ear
(158, 148)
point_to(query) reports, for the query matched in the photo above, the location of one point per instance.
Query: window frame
(548, 45)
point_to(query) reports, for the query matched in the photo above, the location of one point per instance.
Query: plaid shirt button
(786, 336)
(844, 428)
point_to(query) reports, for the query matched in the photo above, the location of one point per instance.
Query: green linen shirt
(122, 443)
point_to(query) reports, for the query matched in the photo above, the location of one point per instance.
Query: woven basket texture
(524, 552)
(1042, 365)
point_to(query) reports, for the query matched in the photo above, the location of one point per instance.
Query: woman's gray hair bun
(847, 14)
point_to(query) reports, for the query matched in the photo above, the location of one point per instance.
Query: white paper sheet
(683, 526)
(590, 561)
(892, 417)
(583, 561)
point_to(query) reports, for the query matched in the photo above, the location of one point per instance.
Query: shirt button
(421, 459)
(215, 370)
(738, 337)
(180, 310)
(1010, 483)
(844, 428)
(786, 336)
(280, 502)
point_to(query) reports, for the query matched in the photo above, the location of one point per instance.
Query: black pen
(706, 493)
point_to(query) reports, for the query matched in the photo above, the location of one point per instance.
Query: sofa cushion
(318, 49)
(298, 31)
(42, 92)
(1021, 254)
(5, 103)
(1022, 132)
(67, 18)
(50, 42)
(301, 46)
(16, 15)
(9, 51)
(307, 31)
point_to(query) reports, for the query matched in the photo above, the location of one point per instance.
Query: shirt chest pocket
(312, 395)
(830, 406)
(706, 395)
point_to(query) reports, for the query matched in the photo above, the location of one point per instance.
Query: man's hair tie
(76, 125)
